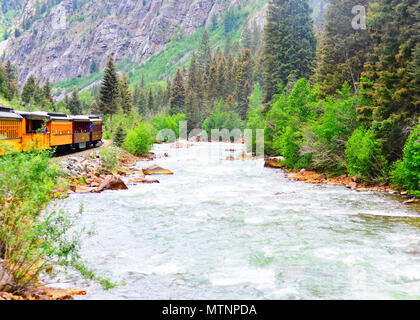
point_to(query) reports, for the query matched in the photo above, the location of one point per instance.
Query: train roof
(95, 118)
(9, 114)
(56, 116)
(81, 118)
(36, 115)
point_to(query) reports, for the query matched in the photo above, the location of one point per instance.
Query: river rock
(273, 163)
(143, 180)
(111, 183)
(7, 282)
(352, 185)
(155, 169)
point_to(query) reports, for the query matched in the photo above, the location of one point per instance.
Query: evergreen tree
(119, 136)
(204, 52)
(150, 102)
(11, 80)
(126, 99)
(388, 83)
(28, 91)
(343, 49)
(47, 94)
(74, 104)
(108, 93)
(289, 44)
(93, 108)
(177, 100)
(142, 103)
(228, 46)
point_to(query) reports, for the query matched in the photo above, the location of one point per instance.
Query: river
(221, 229)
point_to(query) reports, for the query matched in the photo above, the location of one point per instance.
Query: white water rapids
(221, 229)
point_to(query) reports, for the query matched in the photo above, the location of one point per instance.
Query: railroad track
(63, 154)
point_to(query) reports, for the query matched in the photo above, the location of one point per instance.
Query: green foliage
(139, 141)
(326, 135)
(109, 158)
(406, 172)
(364, 156)
(221, 118)
(119, 136)
(289, 44)
(31, 239)
(160, 122)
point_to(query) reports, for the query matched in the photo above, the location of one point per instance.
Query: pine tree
(119, 136)
(108, 93)
(74, 104)
(125, 97)
(11, 80)
(204, 52)
(388, 83)
(142, 103)
(150, 102)
(47, 95)
(343, 50)
(211, 91)
(28, 91)
(177, 100)
(228, 46)
(142, 83)
(93, 108)
(289, 44)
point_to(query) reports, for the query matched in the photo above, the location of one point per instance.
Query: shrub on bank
(160, 122)
(364, 156)
(406, 172)
(139, 141)
(32, 239)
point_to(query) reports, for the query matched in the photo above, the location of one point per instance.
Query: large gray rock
(7, 281)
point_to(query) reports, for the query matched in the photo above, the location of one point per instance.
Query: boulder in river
(143, 180)
(155, 169)
(111, 183)
(273, 163)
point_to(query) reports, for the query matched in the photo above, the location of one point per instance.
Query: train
(22, 131)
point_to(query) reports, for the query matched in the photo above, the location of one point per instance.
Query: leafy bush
(406, 172)
(109, 158)
(32, 240)
(221, 118)
(139, 141)
(167, 123)
(325, 137)
(364, 157)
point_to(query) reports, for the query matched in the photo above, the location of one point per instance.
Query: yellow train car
(60, 127)
(28, 131)
(10, 130)
(35, 131)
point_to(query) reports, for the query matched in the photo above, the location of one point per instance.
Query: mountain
(68, 41)
(62, 39)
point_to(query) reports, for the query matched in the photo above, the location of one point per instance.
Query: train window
(34, 126)
(10, 129)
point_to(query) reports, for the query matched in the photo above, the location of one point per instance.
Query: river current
(220, 229)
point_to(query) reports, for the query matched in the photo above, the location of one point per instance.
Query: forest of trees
(337, 100)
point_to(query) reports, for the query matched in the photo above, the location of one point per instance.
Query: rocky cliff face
(62, 41)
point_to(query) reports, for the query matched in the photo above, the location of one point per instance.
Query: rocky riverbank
(89, 173)
(343, 180)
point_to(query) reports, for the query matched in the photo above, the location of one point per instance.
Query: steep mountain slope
(63, 39)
